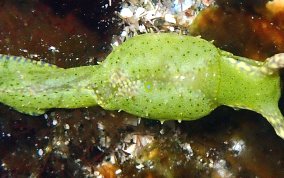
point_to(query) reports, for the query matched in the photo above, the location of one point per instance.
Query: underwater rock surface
(94, 142)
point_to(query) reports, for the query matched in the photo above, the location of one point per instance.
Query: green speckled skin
(157, 76)
(33, 87)
(167, 77)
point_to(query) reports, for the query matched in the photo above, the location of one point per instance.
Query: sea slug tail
(276, 119)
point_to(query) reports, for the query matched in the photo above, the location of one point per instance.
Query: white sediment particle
(58, 143)
(126, 13)
(207, 2)
(139, 166)
(53, 49)
(139, 12)
(221, 168)
(179, 6)
(115, 43)
(97, 173)
(141, 16)
(172, 29)
(152, 14)
(170, 18)
(40, 152)
(105, 141)
(134, 143)
(24, 50)
(238, 146)
(130, 149)
(113, 159)
(124, 34)
(142, 28)
(119, 171)
(66, 126)
(4, 166)
(187, 147)
(101, 126)
(54, 122)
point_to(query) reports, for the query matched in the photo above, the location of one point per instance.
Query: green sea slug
(157, 76)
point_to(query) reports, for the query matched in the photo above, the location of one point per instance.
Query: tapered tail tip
(277, 121)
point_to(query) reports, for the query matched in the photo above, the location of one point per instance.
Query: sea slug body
(157, 76)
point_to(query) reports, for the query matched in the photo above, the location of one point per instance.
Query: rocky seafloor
(92, 142)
